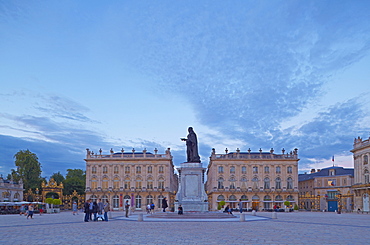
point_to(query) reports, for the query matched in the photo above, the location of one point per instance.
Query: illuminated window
(105, 183)
(94, 183)
(116, 183)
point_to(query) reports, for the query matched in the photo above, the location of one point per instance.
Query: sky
(136, 74)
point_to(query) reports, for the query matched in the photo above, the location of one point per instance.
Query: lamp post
(339, 203)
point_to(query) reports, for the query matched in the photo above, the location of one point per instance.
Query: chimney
(318, 170)
(313, 171)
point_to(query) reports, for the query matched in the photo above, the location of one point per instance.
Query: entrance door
(365, 202)
(332, 206)
(255, 205)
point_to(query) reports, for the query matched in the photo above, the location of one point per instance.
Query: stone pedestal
(191, 194)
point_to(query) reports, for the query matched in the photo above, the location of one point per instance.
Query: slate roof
(325, 173)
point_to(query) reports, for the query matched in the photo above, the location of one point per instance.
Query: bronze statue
(192, 146)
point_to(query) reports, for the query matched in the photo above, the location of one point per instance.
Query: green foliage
(52, 195)
(49, 200)
(57, 202)
(28, 169)
(287, 203)
(58, 177)
(220, 205)
(75, 180)
(296, 207)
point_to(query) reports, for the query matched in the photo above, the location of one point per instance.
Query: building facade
(361, 187)
(140, 177)
(11, 191)
(326, 189)
(260, 179)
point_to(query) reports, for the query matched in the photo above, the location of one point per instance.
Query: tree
(75, 180)
(58, 177)
(28, 169)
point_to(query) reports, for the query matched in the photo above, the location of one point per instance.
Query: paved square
(288, 228)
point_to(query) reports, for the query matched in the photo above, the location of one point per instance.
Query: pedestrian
(228, 210)
(240, 206)
(87, 210)
(152, 206)
(22, 210)
(91, 207)
(106, 210)
(164, 204)
(100, 207)
(180, 210)
(127, 208)
(41, 209)
(30, 211)
(74, 208)
(95, 210)
(148, 209)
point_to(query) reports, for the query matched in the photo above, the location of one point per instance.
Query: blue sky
(137, 74)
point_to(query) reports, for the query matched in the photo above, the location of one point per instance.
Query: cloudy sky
(136, 74)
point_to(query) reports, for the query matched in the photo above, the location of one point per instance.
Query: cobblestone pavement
(288, 228)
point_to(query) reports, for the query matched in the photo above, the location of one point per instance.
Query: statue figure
(192, 146)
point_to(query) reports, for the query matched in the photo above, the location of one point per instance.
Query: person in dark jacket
(164, 204)
(95, 210)
(87, 210)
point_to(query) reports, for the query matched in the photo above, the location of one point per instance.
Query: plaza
(288, 228)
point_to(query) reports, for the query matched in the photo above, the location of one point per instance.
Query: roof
(325, 173)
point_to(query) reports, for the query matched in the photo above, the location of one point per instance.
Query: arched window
(115, 201)
(278, 198)
(116, 183)
(220, 198)
(255, 183)
(232, 198)
(16, 197)
(244, 170)
(290, 198)
(289, 183)
(278, 183)
(255, 198)
(366, 159)
(149, 199)
(149, 183)
(244, 198)
(127, 183)
(232, 170)
(220, 183)
(94, 183)
(266, 183)
(161, 183)
(105, 183)
(267, 198)
(138, 201)
(232, 183)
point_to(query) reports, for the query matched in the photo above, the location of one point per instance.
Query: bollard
(242, 217)
(140, 217)
(254, 212)
(274, 215)
(109, 214)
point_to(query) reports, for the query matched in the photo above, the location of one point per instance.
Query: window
(160, 198)
(232, 183)
(94, 198)
(220, 169)
(115, 201)
(366, 159)
(115, 170)
(161, 171)
(255, 183)
(232, 170)
(116, 183)
(367, 180)
(244, 170)
(138, 183)
(138, 201)
(278, 170)
(105, 170)
(161, 183)
(105, 183)
(289, 170)
(332, 172)
(255, 170)
(149, 184)
(94, 183)
(278, 183)
(138, 170)
(150, 169)
(104, 198)
(220, 183)
(127, 183)
(278, 198)
(93, 170)
(127, 170)
(267, 169)
(332, 194)
(266, 183)
(220, 198)
(289, 183)
(149, 199)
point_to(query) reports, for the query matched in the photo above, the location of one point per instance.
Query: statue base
(191, 194)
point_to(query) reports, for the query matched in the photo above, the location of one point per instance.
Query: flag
(332, 159)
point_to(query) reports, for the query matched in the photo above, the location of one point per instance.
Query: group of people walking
(95, 210)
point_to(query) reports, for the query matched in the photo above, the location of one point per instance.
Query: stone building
(361, 187)
(140, 177)
(260, 179)
(11, 191)
(326, 189)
